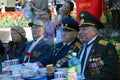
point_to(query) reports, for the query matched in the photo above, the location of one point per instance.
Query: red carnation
(29, 54)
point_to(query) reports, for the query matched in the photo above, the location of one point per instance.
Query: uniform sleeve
(48, 53)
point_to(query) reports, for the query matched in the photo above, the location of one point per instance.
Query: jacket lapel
(38, 45)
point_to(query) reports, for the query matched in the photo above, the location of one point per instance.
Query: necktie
(83, 61)
(84, 54)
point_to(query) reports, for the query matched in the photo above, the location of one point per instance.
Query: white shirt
(87, 54)
(32, 46)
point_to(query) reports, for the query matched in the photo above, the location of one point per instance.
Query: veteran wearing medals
(39, 48)
(98, 57)
(70, 43)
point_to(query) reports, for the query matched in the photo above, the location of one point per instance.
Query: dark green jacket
(102, 62)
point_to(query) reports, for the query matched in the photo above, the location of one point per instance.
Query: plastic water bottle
(74, 62)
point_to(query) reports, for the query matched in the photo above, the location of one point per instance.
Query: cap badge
(81, 21)
(66, 25)
(82, 15)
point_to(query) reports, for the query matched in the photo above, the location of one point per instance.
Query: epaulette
(103, 42)
(78, 44)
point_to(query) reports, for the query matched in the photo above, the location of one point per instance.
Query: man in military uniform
(70, 43)
(98, 57)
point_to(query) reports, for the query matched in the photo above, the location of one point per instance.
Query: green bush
(118, 51)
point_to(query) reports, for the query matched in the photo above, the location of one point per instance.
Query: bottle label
(71, 76)
(78, 69)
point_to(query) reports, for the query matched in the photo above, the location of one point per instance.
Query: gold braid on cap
(70, 28)
(92, 24)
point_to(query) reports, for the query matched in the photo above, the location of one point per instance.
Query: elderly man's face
(37, 31)
(68, 36)
(87, 33)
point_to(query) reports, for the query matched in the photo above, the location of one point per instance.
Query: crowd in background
(50, 14)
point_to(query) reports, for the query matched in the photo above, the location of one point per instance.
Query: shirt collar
(39, 38)
(92, 40)
(64, 43)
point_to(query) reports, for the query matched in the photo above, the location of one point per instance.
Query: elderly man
(39, 48)
(69, 44)
(98, 57)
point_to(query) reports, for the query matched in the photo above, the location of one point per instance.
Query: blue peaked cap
(70, 24)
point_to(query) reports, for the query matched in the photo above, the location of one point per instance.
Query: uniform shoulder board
(103, 42)
(78, 44)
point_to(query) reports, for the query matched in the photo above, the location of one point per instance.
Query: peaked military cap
(70, 24)
(87, 19)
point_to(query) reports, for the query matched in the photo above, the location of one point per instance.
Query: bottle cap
(74, 54)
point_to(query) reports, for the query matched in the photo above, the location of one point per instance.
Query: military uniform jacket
(40, 51)
(61, 56)
(102, 61)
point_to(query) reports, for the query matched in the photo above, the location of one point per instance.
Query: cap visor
(30, 24)
(66, 30)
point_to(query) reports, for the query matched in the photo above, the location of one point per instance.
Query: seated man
(39, 47)
(69, 44)
(98, 57)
